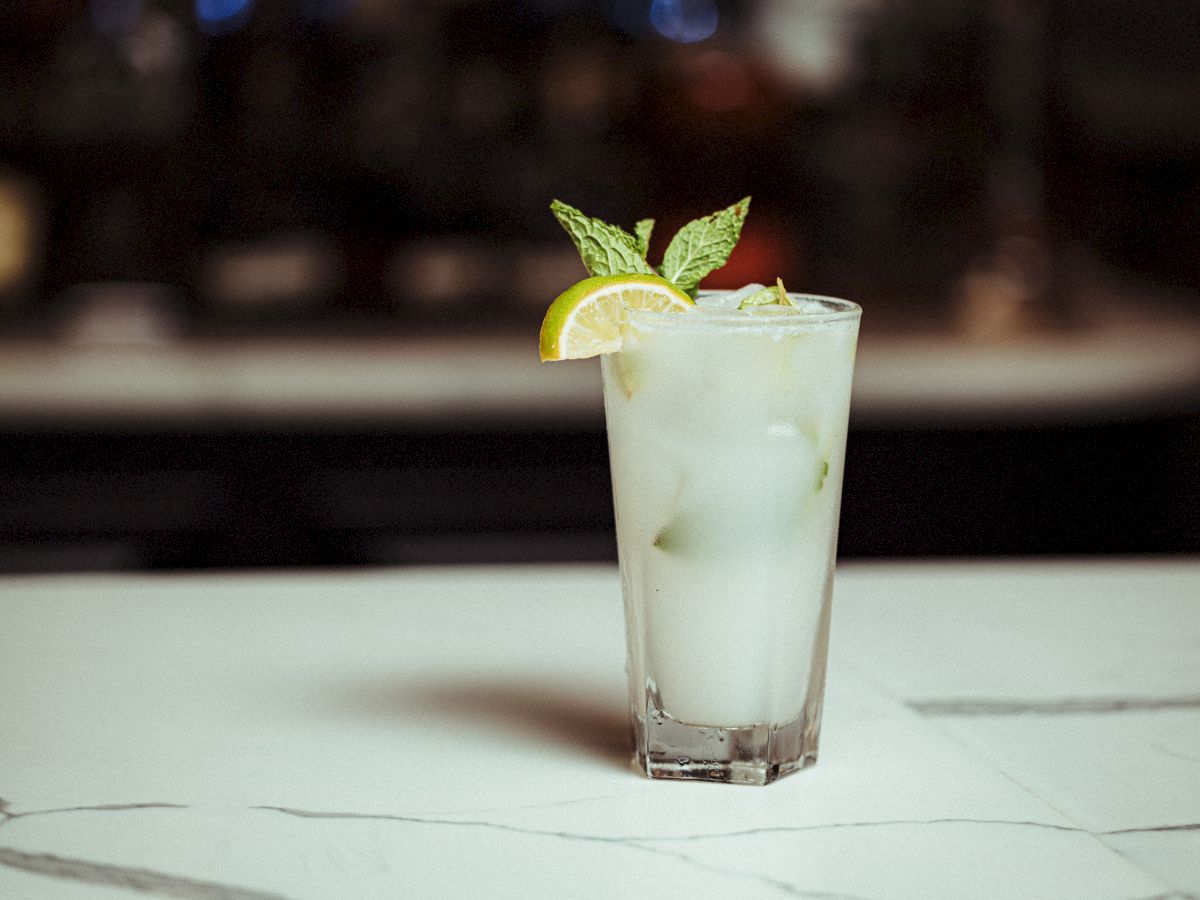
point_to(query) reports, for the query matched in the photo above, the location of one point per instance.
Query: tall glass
(727, 439)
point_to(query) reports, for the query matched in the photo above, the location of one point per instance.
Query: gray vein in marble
(1152, 829)
(553, 804)
(882, 823)
(7, 815)
(174, 886)
(100, 807)
(635, 843)
(780, 885)
(654, 844)
(652, 839)
(1063, 706)
(145, 880)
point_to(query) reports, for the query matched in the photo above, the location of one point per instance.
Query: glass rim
(835, 309)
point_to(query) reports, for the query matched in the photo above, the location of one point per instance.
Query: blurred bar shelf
(435, 450)
(1107, 371)
(446, 379)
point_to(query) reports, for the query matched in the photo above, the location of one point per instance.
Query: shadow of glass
(571, 719)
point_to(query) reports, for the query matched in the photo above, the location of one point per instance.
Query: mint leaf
(703, 245)
(605, 249)
(642, 229)
(677, 538)
(784, 299)
(768, 296)
(775, 295)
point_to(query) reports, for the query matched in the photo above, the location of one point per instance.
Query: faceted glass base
(755, 754)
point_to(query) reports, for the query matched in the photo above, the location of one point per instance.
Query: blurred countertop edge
(1105, 372)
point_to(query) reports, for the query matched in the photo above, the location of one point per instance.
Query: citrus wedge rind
(585, 319)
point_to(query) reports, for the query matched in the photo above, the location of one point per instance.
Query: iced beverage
(727, 437)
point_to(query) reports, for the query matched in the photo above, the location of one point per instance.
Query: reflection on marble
(460, 733)
(1050, 707)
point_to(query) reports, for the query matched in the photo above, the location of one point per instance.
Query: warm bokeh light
(272, 273)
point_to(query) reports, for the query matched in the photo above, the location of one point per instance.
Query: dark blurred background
(271, 271)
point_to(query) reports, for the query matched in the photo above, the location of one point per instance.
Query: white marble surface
(992, 730)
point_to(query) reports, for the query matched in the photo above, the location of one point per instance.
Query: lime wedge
(585, 319)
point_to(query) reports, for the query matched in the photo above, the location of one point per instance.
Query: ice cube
(730, 300)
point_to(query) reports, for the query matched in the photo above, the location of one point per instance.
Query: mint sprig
(703, 245)
(775, 295)
(768, 296)
(605, 249)
(698, 248)
(642, 229)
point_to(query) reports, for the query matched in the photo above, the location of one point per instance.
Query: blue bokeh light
(222, 16)
(684, 21)
(113, 17)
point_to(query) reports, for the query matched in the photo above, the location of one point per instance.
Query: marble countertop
(1008, 729)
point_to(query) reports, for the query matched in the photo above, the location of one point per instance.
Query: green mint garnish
(605, 249)
(699, 247)
(766, 297)
(776, 295)
(642, 230)
(675, 537)
(821, 477)
(703, 245)
(784, 299)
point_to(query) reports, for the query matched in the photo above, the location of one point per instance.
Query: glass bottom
(752, 754)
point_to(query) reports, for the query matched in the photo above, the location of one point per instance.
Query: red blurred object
(763, 254)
